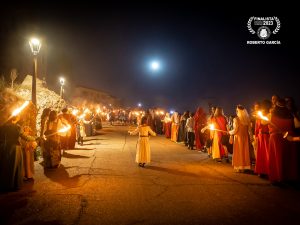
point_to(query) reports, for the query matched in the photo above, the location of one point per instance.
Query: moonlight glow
(155, 65)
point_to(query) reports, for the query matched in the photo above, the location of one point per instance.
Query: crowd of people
(59, 132)
(16, 162)
(263, 142)
(266, 141)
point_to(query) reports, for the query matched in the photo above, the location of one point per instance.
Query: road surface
(100, 183)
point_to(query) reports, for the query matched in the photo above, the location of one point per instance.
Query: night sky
(202, 50)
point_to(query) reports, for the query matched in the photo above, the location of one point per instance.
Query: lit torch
(75, 112)
(18, 110)
(61, 131)
(86, 111)
(284, 133)
(81, 116)
(259, 113)
(64, 129)
(212, 127)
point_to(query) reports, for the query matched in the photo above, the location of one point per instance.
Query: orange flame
(64, 129)
(259, 113)
(18, 110)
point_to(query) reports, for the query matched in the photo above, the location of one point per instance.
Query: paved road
(99, 183)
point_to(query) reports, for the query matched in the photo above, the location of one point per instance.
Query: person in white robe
(143, 154)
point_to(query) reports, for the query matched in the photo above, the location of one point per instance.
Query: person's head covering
(64, 110)
(52, 115)
(218, 112)
(280, 110)
(243, 115)
(144, 120)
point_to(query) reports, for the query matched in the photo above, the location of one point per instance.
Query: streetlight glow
(35, 45)
(35, 41)
(62, 80)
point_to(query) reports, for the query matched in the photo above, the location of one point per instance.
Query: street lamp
(62, 82)
(35, 46)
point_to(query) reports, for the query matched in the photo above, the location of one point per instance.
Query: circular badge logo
(263, 32)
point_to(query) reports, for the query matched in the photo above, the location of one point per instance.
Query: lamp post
(62, 82)
(35, 46)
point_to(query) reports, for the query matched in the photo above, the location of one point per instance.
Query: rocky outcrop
(45, 97)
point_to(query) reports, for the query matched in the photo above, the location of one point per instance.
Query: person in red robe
(167, 125)
(283, 154)
(262, 137)
(200, 122)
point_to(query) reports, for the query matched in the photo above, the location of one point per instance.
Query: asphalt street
(100, 183)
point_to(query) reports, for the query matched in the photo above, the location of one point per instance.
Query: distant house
(83, 95)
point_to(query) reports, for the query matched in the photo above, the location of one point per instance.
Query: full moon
(155, 65)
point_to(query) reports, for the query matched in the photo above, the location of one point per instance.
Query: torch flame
(86, 111)
(64, 129)
(211, 126)
(259, 113)
(18, 110)
(81, 116)
(75, 112)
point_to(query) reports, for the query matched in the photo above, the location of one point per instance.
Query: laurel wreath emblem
(250, 27)
(278, 25)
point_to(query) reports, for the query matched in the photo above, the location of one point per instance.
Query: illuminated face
(274, 99)
(256, 107)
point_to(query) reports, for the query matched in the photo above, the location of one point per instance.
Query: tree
(13, 76)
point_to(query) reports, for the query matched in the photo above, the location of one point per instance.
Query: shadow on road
(71, 156)
(61, 176)
(12, 201)
(38, 222)
(171, 171)
(82, 149)
(93, 144)
(94, 139)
